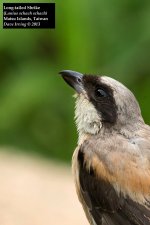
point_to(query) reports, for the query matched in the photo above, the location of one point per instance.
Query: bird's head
(102, 102)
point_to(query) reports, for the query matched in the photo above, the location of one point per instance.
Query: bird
(111, 163)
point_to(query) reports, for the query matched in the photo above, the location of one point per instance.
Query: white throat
(87, 119)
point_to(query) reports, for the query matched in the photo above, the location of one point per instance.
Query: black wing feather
(105, 206)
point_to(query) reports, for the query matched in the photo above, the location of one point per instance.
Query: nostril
(79, 80)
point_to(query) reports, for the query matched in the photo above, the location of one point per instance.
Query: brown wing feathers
(106, 206)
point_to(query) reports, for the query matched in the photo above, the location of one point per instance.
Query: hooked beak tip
(73, 78)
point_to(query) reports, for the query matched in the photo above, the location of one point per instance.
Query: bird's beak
(74, 79)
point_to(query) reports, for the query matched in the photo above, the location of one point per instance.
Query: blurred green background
(110, 37)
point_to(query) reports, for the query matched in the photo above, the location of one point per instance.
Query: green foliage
(109, 37)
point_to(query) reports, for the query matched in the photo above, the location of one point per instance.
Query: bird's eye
(100, 93)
